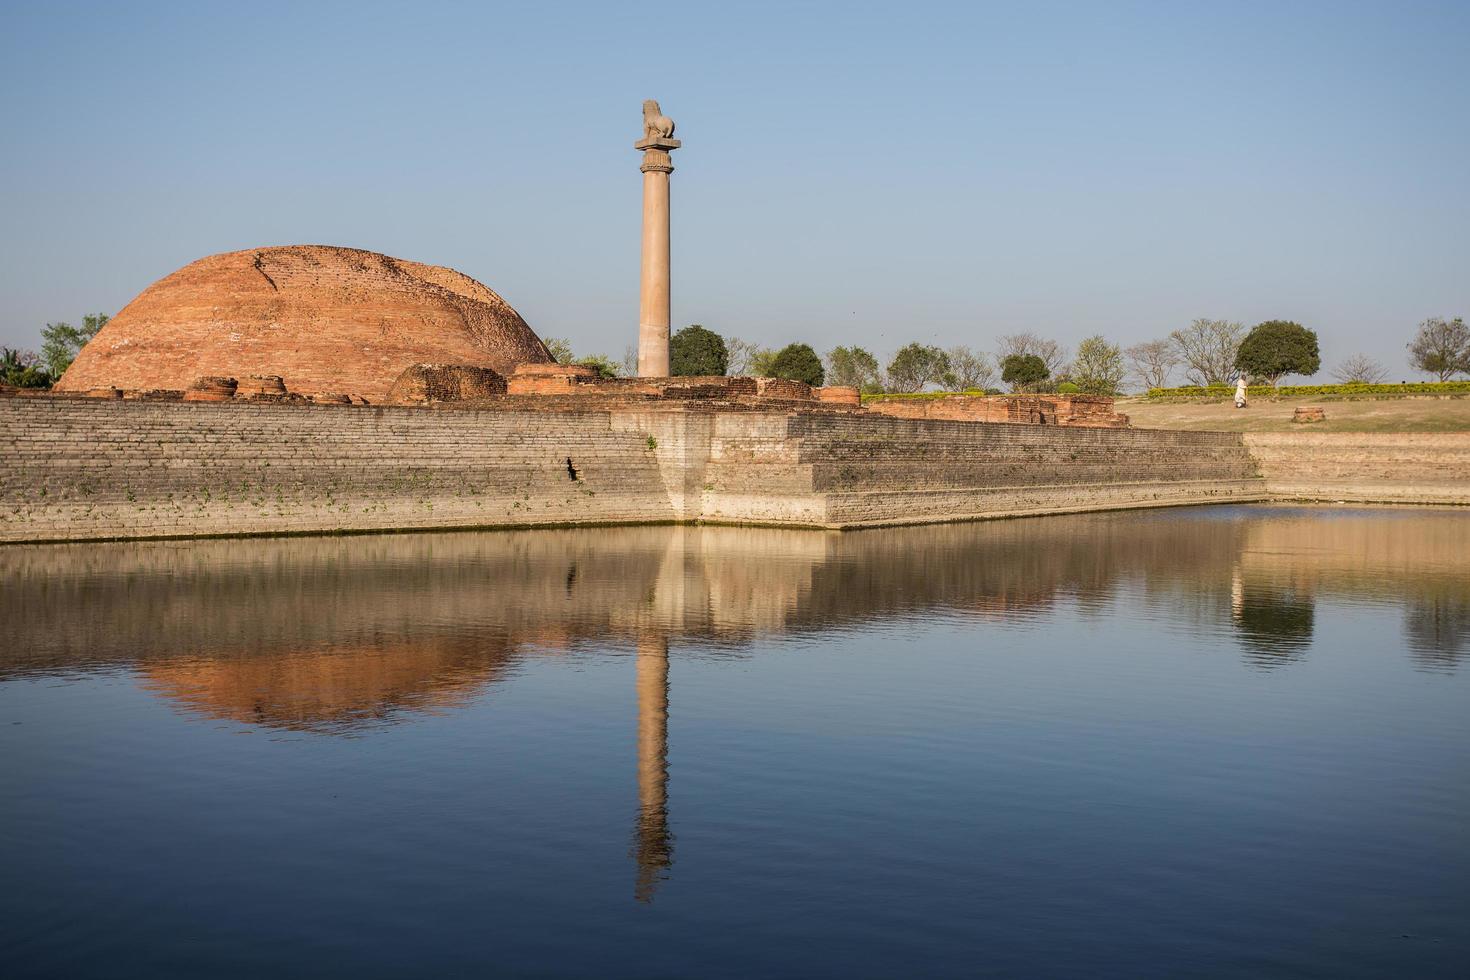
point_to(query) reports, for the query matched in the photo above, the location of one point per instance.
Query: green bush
(1308, 391)
(1023, 372)
(798, 362)
(697, 352)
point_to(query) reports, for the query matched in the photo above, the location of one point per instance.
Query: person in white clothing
(1240, 391)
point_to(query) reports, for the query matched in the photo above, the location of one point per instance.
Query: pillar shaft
(653, 298)
(653, 292)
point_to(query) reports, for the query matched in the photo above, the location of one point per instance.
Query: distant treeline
(1209, 353)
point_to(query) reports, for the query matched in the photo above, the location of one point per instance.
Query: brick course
(1382, 467)
(77, 468)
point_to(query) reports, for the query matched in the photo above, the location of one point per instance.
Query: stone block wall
(80, 468)
(84, 468)
(1381, 467)
(847, 470)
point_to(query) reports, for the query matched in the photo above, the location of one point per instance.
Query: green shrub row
(1288, 391)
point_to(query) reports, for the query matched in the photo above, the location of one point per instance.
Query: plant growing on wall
(1277, 348)
(697, 352)
(600, 363)
(798, 362)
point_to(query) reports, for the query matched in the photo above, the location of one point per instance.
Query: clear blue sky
(851, 172)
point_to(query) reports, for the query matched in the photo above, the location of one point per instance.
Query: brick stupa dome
(325, 319)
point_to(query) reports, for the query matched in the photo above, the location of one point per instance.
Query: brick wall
(82, 468)
(850, 470)
(1087, 411)
(79, 468)
(1386, 467)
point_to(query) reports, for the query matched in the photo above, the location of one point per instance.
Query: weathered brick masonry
(99, 468)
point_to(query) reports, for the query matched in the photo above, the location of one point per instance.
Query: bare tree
(1441, 347)
(741, 356)
(1360, 369)
(630, 361)
(1207, 349)
(969, 370)
(1052, 354)
(1152, 362)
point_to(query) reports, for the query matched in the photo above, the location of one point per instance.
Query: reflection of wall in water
(1416, 558)
(73, 606)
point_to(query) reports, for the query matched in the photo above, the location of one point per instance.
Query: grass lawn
(1365, 415)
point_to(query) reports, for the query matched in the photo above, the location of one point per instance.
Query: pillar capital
(656, 154)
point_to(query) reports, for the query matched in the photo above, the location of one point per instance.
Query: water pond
(1229, 741)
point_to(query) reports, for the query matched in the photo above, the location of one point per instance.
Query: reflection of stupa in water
(331, 689)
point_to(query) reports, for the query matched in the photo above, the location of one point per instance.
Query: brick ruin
(1078, 411)
(573, 387)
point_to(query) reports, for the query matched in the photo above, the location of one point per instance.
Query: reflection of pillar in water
(1237, 594)
(653, 844)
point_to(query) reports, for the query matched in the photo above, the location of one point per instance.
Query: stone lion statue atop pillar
(656, 125)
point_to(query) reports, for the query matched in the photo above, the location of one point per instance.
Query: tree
(916, 365)
(741, 357)
(1052, 354)
(697, 352)
(1023, 372)
(1360, 369)
(1207, 349)
(798, 362)
(1277, 348)
(630, 362)
(1098, 368)
(1441, 347)
(560, 349)
(61, 342)
(854, 367)
(1152, 362)
(968, 370)
(22, 369)
(763, 363)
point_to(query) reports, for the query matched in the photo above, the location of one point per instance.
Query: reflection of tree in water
(1438, 631)
(1274, 626)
